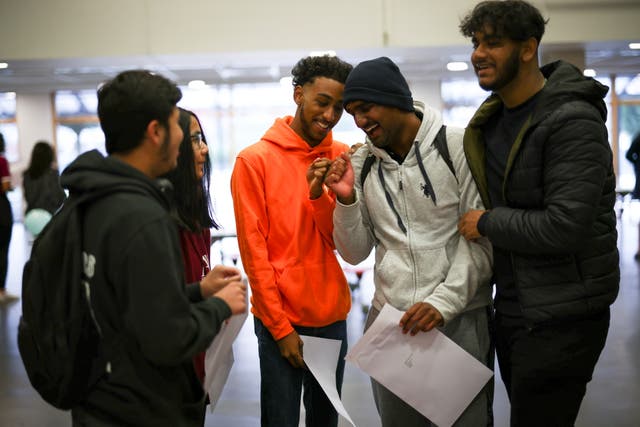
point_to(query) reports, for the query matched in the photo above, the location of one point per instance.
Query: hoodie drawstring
(428, 188)
(389, 200)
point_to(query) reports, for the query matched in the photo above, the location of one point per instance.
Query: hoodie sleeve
(470, 270)
(352, 233)
(252, 225)
(167, 327)
(322, 211)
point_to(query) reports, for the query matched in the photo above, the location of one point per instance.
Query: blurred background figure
(42, 190)
(633, 155)
(6, 223)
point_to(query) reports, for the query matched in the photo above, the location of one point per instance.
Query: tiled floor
(611, 399)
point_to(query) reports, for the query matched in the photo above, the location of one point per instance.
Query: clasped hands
(225, 282)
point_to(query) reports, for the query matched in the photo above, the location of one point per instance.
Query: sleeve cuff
(482, 223)
(193, 292)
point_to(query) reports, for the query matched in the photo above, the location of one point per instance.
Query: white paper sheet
(428, 371)
(321, 357)
(218, 358)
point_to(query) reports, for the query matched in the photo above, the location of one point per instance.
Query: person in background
(152, 325)
(407, 209)
(6, 223)
(539, 152)
(41, 182)
(633, 155)
(192, 209)
(284, 224)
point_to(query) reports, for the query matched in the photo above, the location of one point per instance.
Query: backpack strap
(366, 168)
(440, 142)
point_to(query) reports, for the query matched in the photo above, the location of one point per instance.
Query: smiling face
(200, 147)
(319, 109)
(382, 124)
(495, 59)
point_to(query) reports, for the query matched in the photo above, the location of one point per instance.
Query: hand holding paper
(428, 371)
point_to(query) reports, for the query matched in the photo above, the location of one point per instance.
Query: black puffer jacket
(558, 222)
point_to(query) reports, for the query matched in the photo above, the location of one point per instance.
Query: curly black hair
(514, 19)
(331, 67)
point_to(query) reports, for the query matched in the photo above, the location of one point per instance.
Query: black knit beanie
(378, 81)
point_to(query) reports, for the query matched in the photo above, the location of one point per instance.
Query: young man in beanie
(284, 224)
(539, 151)
(407, 209)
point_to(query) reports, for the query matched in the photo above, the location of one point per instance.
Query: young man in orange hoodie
(284, 225)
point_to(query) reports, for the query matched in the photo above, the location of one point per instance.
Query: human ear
(298, 95)
(529, 49)
(153, 130)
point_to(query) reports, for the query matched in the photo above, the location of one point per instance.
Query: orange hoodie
(285, 239)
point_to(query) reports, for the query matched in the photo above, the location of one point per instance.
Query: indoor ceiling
(418, 64)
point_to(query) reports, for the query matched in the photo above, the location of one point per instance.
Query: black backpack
(440, 143)
(58, 336)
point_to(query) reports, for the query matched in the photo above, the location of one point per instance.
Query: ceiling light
(197, 84)
(3, 65)
(634, 45)
(457, 66)
(589, 72)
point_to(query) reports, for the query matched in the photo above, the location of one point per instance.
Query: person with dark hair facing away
(539, 152)
(633, 155)
(41, 181)
(193, 212)
(407, 209)
(6, 223)
(284, 224)
(151, 324)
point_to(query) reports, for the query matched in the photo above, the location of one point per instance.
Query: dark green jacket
(558, 223)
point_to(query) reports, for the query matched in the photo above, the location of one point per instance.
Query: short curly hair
(515, 19)
(331, 67)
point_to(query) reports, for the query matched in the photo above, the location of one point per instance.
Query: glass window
(8, 126)
(461, 99)
(77, 126)
(629, 119)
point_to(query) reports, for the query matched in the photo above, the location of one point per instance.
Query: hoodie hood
(92, 172)
(566, 83)
(282, 135)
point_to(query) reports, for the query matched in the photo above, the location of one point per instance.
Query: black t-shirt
(500, 133)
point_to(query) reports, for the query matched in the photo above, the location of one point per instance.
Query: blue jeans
(281, 384)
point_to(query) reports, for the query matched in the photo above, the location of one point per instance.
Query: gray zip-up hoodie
(420, 256)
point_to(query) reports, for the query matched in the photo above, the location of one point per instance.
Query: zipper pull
(400, 185)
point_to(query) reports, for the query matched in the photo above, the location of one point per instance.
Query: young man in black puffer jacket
(538, 150)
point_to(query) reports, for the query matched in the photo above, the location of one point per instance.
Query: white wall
(35, 122)
(36, 29)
